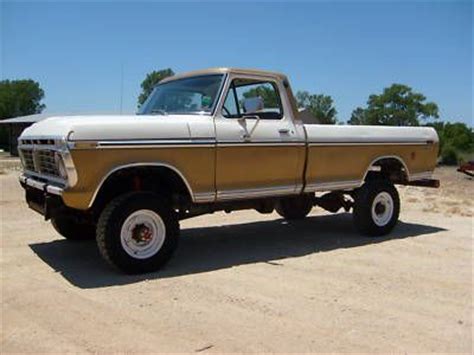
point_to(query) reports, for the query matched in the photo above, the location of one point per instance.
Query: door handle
(284, 130)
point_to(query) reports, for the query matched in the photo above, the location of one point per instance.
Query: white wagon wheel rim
(382, 209)
(143, 234)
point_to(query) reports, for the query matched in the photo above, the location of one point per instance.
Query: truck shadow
(206, 249)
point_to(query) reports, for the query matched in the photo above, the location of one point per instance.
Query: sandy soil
(249, 282)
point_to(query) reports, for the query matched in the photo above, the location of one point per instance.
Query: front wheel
(376, 208)
(138, 232)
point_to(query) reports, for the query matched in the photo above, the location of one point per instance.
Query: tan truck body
(212, 170)
(231, 152)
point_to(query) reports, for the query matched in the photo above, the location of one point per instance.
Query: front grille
(28, 162)
(37, 141)
(40, 161)
(46, 163)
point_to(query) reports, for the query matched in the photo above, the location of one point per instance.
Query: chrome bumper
(45, 187)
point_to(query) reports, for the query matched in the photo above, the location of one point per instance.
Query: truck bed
(339, 156)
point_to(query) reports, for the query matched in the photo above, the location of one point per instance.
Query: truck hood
(79, 128)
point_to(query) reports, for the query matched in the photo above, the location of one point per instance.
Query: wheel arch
(392, 166)
(158, 168)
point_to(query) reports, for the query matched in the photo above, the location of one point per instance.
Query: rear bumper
(425, 183)
(42, 197)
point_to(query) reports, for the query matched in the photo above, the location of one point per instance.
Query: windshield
(195, 95)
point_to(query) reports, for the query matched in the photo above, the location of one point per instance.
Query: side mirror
(241, 120)
(253, 104)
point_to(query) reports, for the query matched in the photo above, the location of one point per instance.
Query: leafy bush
(457, 135)
(449, 155)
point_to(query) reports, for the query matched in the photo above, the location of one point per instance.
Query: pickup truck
(212, 140)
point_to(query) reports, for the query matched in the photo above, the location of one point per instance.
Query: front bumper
(43, 186)
(42, 197)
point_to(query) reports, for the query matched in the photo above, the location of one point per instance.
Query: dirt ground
(245, 282)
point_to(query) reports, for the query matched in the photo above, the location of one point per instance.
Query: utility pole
(121, 87)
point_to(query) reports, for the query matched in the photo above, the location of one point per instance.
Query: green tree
(20, 98)
(150, 81)
(358, 117)
(457, 136)
(321, 106)
(267, 93)
(398, 105)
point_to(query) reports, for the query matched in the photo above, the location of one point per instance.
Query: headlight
(61, 166)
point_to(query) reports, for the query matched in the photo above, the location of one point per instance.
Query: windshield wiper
(158, 111)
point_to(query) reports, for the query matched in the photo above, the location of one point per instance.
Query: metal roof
(27, 119)
(224, 71)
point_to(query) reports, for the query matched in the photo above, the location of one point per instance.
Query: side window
(252, 98)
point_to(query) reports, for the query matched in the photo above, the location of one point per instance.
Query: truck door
(260, 150)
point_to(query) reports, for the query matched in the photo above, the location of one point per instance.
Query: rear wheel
(71, 229)
(376, 207)
(296, 207)
(138, 232)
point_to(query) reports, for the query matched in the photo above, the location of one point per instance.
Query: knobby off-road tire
(293, 208)
(376, 207)
(70, 229)
(138, 232)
